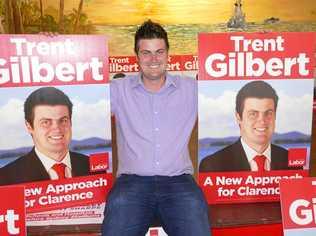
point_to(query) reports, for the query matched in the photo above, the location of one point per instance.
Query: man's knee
(116, 200)
(197, 205)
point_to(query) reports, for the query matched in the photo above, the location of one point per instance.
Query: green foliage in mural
(35, 18)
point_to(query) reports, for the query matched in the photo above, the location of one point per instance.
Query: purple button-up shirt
(154, 128)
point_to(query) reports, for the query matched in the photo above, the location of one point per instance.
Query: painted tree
(31, 16)
(41, 15)
(17, 17)
(78, 16)
(8, 17)
(61, 16)
(2, 31)
(12, 17)
(1, 26)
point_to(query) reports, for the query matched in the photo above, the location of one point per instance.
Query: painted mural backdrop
(183, 19)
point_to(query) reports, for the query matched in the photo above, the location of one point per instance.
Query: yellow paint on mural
(128, 12)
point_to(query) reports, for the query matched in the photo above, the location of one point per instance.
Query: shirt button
(156, 129)
(157, 162)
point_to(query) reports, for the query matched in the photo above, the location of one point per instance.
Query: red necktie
(60, 170)
(260, 160)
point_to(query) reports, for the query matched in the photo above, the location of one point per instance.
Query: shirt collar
(250, 153)
(48, 162)
(170, 81)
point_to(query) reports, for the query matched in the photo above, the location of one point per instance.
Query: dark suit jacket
(29, 168)
(233, 158)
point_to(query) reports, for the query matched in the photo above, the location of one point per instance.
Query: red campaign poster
(255, 113)
(298, 199)
(55, 109)
(186, 65)
(12, 211)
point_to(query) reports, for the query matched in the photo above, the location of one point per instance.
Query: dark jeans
(135, 201)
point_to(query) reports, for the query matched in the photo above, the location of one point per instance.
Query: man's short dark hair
(150, 30)
(255, 89)
(119, 75)
(45, 96)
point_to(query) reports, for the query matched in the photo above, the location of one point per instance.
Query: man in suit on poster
(256, 105)
(48, 113)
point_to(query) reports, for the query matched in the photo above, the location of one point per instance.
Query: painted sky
(187, 11)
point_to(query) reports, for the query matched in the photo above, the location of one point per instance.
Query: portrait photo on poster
(44, 125)
(244, 117)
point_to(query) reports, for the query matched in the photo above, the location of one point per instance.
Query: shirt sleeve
(113, 96)
(195, 97)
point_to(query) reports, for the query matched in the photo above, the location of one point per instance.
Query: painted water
(204, 152)
(183, 37)
(5, 161)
